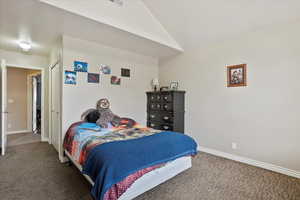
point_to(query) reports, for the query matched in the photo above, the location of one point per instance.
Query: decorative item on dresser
(155, 84)
(165, 110)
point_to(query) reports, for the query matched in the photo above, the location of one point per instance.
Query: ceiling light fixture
(119, 2)
(25, 46)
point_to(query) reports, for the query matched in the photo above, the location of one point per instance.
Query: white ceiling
(192, 23)
(133, 16)
(197, 23)
(43, 24)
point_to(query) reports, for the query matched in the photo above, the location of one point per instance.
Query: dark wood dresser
(165, 110)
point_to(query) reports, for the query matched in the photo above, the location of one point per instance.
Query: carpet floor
(22, 138)
(33, 172)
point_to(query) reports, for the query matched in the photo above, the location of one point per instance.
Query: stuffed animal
(106, 115)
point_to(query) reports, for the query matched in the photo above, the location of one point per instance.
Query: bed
(84, 143)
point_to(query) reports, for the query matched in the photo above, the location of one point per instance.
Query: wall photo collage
(79, 66)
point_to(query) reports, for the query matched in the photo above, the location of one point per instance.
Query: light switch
(11, 101)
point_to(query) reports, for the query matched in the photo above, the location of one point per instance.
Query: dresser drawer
(155, 106)
(152, 98)
(155, 97)
(166, 117)
(166, 127)
(154, 116)
(167, 97)
(160, 126)
(167, 107)
(154, 125)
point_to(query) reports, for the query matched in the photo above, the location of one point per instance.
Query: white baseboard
(44, 139)
(17, 132)
(252, 162)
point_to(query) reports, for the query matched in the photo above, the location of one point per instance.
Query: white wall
(17, 99)
(127, 100)
(28, 60)
(263, 118)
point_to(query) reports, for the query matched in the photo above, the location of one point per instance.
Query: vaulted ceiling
(41, 22)
(200, 22)
(157, 28)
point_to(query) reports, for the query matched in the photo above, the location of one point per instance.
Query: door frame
(43, 114)
(3, 107)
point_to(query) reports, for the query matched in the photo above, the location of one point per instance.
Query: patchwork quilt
(115, 157)
(81, 137)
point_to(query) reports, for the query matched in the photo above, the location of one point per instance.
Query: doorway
(22, 105)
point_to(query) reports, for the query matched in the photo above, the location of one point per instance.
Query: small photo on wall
(125, 72)
(80, 66)
(93, 78)
(70, 77)
(105, 69)
(237, 75)
(115, 80)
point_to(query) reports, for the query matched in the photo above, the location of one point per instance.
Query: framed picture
(115, 80)
(105, 69)
(80, 66)
(237, 75)
(70, 77)
(93, 78)
(174, 86)
(125, 72)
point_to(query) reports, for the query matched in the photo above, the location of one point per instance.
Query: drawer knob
(152, 125)
(166, 127)
(165, 97)
(166, 118)
(152, 116)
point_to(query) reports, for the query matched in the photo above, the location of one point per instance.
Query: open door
(3, 106)
(34, 101)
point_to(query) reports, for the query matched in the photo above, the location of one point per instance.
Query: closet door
(55, 107)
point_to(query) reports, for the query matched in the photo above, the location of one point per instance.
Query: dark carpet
(33, 172)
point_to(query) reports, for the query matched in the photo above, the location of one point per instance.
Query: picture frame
(93, 78)
(237, 75)
(114, 80)
(105, 69)
(174, 86)
(80, 66)
(70, 77)
(125, 72)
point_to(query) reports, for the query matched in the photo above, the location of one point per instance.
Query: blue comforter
(110, 163)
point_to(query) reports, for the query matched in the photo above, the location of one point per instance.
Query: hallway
(22, 138)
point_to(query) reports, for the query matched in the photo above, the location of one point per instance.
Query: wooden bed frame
(149, 180)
